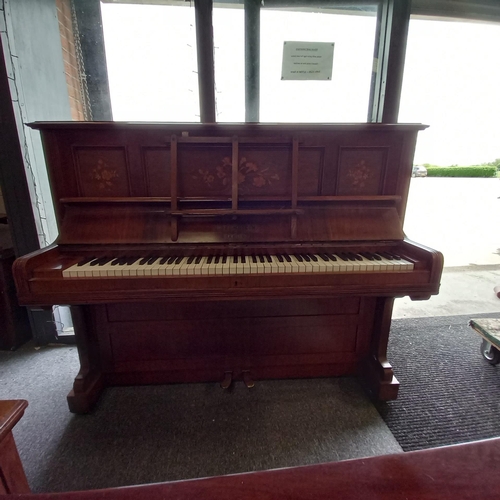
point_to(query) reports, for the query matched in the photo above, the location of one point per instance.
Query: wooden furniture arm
(466, 471)
(23, 266)
(12, 476)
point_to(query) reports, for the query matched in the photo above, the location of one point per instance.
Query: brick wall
(70, 59)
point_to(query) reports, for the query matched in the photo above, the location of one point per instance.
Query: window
(151, 61)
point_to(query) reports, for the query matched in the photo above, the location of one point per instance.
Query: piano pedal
(247, 379)
(227, 380)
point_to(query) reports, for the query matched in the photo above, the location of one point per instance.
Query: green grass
(456, 171)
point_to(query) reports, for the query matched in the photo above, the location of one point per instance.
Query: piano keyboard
(235, 265)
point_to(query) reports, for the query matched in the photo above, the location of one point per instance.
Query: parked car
(419, 171)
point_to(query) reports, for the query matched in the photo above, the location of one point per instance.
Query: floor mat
(449, 393)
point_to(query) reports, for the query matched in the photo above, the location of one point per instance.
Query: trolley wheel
(490, 353)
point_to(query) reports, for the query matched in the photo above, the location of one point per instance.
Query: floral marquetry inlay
(102, 171)
(360, 174)
(103, 175)
(250, 174)
(361, 171)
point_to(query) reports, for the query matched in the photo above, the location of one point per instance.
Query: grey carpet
(449, 394)
(159, 433)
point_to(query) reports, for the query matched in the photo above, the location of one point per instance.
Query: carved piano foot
(247, 379)
(86, 391)
(227, 380)
(378, 378)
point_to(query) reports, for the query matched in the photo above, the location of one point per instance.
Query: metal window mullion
(252, 60)
(390, 50)
(205, 54)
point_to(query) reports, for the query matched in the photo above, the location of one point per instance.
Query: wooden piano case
(180, 189)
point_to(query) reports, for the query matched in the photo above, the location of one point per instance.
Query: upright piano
(221, 252)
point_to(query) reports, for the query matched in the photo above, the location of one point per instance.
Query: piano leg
(89, 382)
(376, 372)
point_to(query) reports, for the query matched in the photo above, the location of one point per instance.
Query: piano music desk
(12, 476)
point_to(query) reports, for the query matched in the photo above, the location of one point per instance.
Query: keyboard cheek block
(228, 253)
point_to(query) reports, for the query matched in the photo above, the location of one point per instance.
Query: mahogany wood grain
(202, 189)
(465, 471)
(12, 476)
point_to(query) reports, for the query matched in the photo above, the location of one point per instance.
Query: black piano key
(305, 257)
(105, 260)
(122, 261)
(312, 257)
(261, 258)
(343, 256)
(152, 260)
(299, 257)
(116, 261)
(324, 257)
(224, 259)
(96, 262)
(217, 259)
(367, 255)
(198, 259)
(376, 256)
(386, 255)
(190, 259)
(396, 256)
(332, 257)
(143, 261)
(132, 260)
(210, 258)
(169, 260)
(86, 260)
(254, 259)
(235, 259)
(356, 256)
(269, 259)
(287, 257)
(243, 259)
(178, 260)
(280, 258)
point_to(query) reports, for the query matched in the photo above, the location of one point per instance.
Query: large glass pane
(152, 64)
(343, 99)
(451, 83)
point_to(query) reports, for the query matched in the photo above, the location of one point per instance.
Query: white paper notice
(307, 61)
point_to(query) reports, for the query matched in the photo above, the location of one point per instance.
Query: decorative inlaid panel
(265, 171)
(204, 171)
(157, 165)
(261, 171)
(102, 172)
(361, 171)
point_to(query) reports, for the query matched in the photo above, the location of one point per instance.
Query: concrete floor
(460, 218)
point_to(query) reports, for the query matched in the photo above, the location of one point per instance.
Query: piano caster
(227, 380)
(247, 379)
